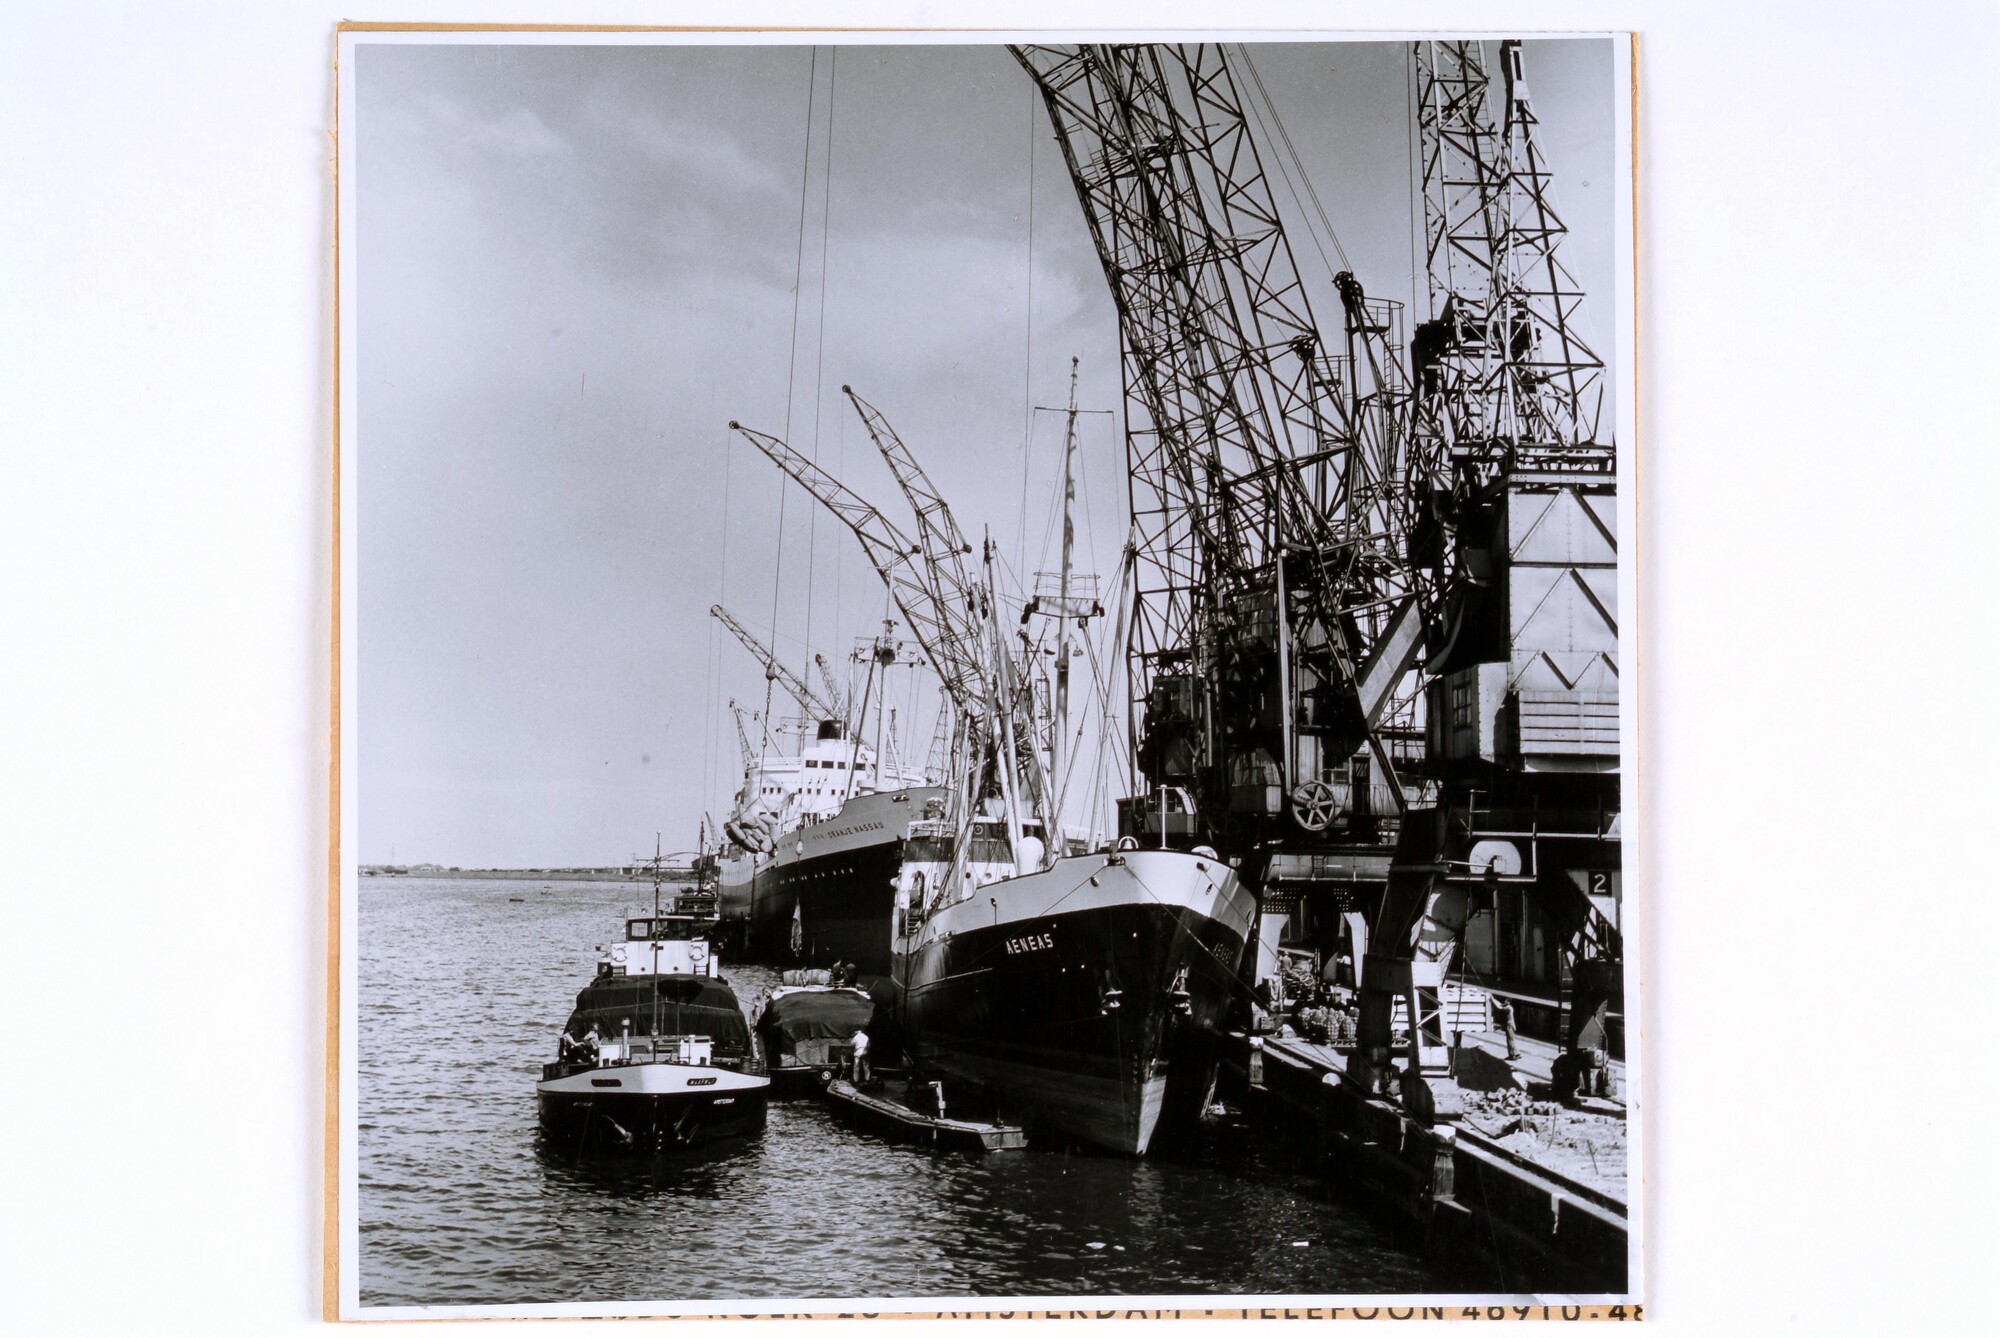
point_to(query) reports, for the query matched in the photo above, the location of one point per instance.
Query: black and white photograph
(1115, 662)
(984, 674)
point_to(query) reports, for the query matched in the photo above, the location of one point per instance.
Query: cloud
(579, 263)
(705, 157)
(949, 294)
(460, 132)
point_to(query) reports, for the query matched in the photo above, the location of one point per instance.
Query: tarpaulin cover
(818, 1015)
(664, 1006)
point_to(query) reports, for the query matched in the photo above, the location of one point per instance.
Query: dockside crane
(1270, 565)
(944, 545)
(899, 561)
(949, 614)
(1274, 711)
(800, 691)
(835, 692)
(949, 637)
(743, 739)
(970, 604)
(1517, 575)
(1321, 653)
(752, 825)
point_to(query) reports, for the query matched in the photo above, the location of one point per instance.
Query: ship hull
(652, 1108)
(828, 893)
(1088, 999)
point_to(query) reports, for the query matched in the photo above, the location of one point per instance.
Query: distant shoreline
(612, 874)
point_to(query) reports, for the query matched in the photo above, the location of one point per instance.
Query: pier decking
(1535, 1189)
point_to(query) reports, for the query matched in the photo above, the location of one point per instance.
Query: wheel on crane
(1313, 805)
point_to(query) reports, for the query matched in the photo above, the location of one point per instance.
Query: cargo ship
(808, 871)
(1087, 999)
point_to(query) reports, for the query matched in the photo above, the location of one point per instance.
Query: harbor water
(464, 985)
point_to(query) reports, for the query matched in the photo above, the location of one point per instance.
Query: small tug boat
(807, 1027)
(656, 1055)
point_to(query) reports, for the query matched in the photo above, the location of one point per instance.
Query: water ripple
(462, 993)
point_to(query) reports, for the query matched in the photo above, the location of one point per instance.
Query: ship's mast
(1074, 597)
(657, 866)
(1062, 623)
(885, 655)
(1003, 711)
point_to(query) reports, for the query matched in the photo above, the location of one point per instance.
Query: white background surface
(1816, 299)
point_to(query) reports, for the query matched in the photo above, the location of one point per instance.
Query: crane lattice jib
(899, 562)
(1514, 382)
(835, 693)
(1243, 434)
(944, 544)
(743, 740)
(1221, 346)
(801, 691)
(961, 599)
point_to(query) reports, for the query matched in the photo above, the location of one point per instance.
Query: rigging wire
(791, 381)
(1028, 350)
(1284, 140)
(1083, 495)
(1052, 514)
(712, 759)
(840, 552)
(1413, 141)
(1110, 722)
(819, 350)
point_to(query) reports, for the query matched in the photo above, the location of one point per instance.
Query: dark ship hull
(1089, 999)
(827, 893)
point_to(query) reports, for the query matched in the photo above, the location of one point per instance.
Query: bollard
(1598, 1077)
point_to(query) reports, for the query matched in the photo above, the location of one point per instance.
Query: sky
(576, 264)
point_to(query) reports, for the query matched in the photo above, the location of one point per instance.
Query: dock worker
(1503, 1013)
(862, 1072)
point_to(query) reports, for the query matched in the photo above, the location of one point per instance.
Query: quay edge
(1446, 1190)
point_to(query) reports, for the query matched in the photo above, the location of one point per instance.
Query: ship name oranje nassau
(850, 830)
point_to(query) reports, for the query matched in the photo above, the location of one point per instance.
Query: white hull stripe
(1200, 884)
(654, 1080)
